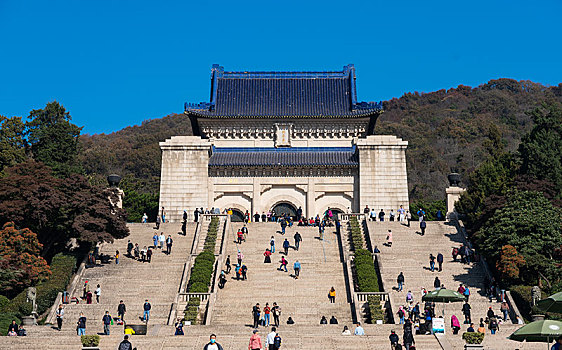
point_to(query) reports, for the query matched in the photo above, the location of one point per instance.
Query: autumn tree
(509, 263)
(20, 260)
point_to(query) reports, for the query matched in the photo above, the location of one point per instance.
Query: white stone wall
(184, 180)
(383, 180)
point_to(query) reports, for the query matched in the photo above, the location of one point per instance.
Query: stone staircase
(304, 299)
(410, 254)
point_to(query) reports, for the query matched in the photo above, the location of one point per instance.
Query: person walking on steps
(256, 315)
(81, 324)
(276, 311)
(162, 240)
(286, 246)
(400, 281)
(255, 341)
(298, 239)
(106, 319)
(266, 314)
(332, 295)
(270, 340)
(125, 344)
(169, 242)
(146, 308)
(437, 283)
(212, 344)
(272, 244)
(284, 263)
(431, 262)
(466, 312)
(389, 238)
(60, 316)
(240, 256)
(227, 265)
(121, 309)
(297, 268)
(423, 225)
(440, 261)
(283, 225)
(393, 337)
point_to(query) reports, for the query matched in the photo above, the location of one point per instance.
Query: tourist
(125, 344)
(196, 215)
(256, 314)
(255, 341)
(455, 253)
(162, 240)
(493, 325)
(297, 268)
(266, 314)
(389, 238)
(81, 324)
(393, 337)
(359, 330)
(121, 309)
(400, 281)
(106, 319)
(437, 283)
(373, 215)
(137, 251)
(421, 215)
(345, 331)
(323, 320)
(391, 215)
(276, 311)
(409, 297)
(263, 216)
(212, 344)
(97, 292)
(238, 271)
(423, 225)
(144, 218)
(85, 289)
(149, 255)
(283, 225)
(290, 320)
(245, 232)
(401, 213)
(277, 341)
(146, 307)
(240, 256)
(169, 242)
(257, 217)
(244, 270)
(271, 338)
(333, 320)
(299, 213)
(366, 210)
(490, 313)
(481, 328)
(284, 263)
(286, 246)
(440, 261)
(163, 215)
(179, 327)
(272, 244)
(558, 344)
(466, 292)
(60, 316)
(267, 256)
(89, 297)
(184, 226)
(143, 254)
(130, 247)
(222, 279)
(431, 262)
(13, 329)
(332, 295)
(504, 308)
(408, 217)
(455, 324)
(466, 312)
(470, 328)
(227, 264)
(298, 239)
(401, 314)
(381, 215)
(158, 222)
(246, 217)
(184, 216)
(376, 250)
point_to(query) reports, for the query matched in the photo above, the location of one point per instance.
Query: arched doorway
(336, 213)
(284, 208)
(237, 215)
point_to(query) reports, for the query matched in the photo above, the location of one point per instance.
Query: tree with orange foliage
(509, 263)
(20, 262)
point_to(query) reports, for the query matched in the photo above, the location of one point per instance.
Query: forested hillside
(446, 129)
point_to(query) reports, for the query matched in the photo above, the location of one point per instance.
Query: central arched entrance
(284, 208)
(237, 215)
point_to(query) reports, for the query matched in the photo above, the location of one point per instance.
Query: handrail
(347, 216)
(362, 296)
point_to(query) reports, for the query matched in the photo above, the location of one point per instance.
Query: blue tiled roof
(284, 157)
(286, 94)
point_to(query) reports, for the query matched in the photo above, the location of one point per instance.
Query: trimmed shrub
(198, 287)
(522, 298)
(90, 340)
(365, 272)
(375, 310)
(473, 337)
(202, 270)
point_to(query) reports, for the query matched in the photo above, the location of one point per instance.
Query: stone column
(185, 179)
(453, 195)
(383, 180)
(310, 209)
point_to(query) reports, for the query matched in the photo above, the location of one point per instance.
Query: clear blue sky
(117, 63)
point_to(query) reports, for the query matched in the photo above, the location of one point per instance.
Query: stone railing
(347, 216)
(362, 296)
(514, 313)
(186, 296)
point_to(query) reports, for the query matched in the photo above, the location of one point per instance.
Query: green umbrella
(538, 331)
(444, 296)
(551, 304)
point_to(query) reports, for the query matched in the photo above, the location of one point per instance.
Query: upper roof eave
(362, 114)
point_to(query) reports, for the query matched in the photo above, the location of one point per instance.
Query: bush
(375, 309)
(62, 267)
(473, 337)
(430, 208)
(5, 320)
(202, 270)
(357, 239)
(3, 301)
(367, 279)
(522, 298)
(194, 302)
(198, 287)
(90, 340)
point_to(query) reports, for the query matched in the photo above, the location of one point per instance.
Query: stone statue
(32, 297)
(535, 294)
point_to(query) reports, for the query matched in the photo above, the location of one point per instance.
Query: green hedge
(473, 337)
(522, 298)
(90, 340)
(357, 239)
(202, 270)
(430, 208)
(191, 310)
(62, 267)
(375, 310)
(365, 272)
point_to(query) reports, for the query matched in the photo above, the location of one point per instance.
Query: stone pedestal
(453, 195)
(383, 180)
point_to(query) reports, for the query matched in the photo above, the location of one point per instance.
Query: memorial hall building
(279, 141)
